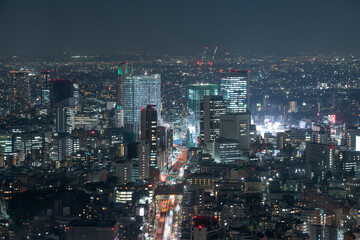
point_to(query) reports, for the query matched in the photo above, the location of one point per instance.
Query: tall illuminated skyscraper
(124, 70)
(45, 87)
(196, 93)
(19, 99)
(235, 90)
(148, 131)
(140, 91)
(211, 108)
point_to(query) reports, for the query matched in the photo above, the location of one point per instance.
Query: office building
(6, 143)
(319, 159)
(124, 70)
(226, 150)
(293, 107)
(236, 127)
(144, 159)
(148, 131)
(61, 89)
(19, 99)
(351, 135)
(235, 90)
(351, 162)
(127, 171)
(211, 108)
(45, 87)
(140, 91)
(320, 137)
(62, 147)
(65, 115)
(196, 93)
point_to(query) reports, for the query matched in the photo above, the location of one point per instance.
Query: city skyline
(169, 120)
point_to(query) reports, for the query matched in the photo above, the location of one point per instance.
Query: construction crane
(199, 63)
(212, 60)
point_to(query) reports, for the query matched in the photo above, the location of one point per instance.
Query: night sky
(178, 27)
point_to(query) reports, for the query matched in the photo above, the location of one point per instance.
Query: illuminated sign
(332, 118)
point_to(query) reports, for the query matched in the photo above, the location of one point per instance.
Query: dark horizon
(178, 28)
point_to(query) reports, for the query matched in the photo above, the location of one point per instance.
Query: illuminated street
(167, 206)
(167, 216)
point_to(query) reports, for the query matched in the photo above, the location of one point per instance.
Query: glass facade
(140, 91)
(212, 107)
(235, 90)
(45, 87)
(196, 93)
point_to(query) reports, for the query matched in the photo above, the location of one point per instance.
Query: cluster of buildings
(155, 149)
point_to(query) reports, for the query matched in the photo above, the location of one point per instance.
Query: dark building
(319, 159)
(92, 230)
(61, 89)
(211, 108)
(148, 131)
(45, 87)
(206, 228)
(19, 99)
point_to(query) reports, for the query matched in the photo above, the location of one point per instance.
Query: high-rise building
(235, 90)
(6, 143)
(351, 135)
(65, 115)
(45, 87)
(19, 99)
(144, 159)
(319, 159)
(351, 162)
(293, 107)
(164, 145)
(60, 89)
(140, 91)
(124, 70)
(211, 108)
(63, 103)
(226, 150)
(62, 146)
(148, 131)
(196, 94)
(236, 127)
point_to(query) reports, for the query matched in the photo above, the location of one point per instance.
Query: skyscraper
(320, 159)
(235, 90)
(197, 93)
(63, 103)
(124, 70)
(19, 99)
(211, 108)
(45, 87)
(140, 91)
(61, 89)
(236, 127)
(148, 131)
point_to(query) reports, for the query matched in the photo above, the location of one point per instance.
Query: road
(167, 214)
